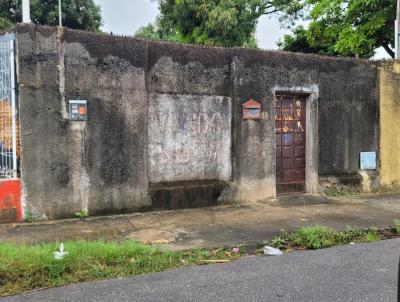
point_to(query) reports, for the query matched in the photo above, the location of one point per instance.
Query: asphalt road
(364, 272)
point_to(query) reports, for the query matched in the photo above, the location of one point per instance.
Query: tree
(147, 32)
(345, 27)
(298, 41)
(214, 22)
(153, 32)
(77, 14)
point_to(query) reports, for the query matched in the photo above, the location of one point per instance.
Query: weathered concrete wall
(348, 115)
(346, 124)
(165, 125)
(189, 137)
(71, 166)
(189, 125)
(389, 81)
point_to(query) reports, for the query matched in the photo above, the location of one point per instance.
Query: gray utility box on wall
(78, 110)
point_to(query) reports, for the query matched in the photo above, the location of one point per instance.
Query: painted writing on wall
(189, 137)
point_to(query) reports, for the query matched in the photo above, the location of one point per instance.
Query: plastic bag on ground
(271, 251)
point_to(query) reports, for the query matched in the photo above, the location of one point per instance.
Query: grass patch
(371, 236)
(315, 237)
(318, 237)
(397, 225)
(28, 267)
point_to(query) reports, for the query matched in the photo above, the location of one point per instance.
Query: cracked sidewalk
(217, 226)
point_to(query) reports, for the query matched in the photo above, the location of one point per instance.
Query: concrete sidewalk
(218, 226)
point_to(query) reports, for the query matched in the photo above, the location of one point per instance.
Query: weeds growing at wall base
(340, 191)
(81, 214)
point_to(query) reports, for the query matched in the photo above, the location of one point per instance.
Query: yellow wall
(389, 78)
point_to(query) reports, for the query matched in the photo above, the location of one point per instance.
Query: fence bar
(8, 110)
(13, 111)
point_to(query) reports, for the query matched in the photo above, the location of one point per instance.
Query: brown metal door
(290, 132)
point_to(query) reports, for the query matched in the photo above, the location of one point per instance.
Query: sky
(124, 17)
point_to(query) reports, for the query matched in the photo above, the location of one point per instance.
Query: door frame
(311, 92)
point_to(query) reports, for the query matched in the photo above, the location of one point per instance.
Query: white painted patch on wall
(61, 70)
(189, 137)
(80, 178)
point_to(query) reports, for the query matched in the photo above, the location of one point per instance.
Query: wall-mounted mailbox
(77, 110)
(368, 160)
(251, 110)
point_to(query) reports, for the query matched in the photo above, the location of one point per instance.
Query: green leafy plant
(371, 236)
(214, 22)
(28, 216)
(351, 235)
(81, 214)
(318, 237)
(278, 242)
(352, 28)
(314, 237)
(77, 14)
(397, 225)
(333, 191)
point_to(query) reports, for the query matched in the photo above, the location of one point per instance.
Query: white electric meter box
(78, 110)
(367, 161)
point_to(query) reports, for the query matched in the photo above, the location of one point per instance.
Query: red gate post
(10, 201)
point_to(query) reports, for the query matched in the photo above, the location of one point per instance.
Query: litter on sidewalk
(59, 255)
(271, 251)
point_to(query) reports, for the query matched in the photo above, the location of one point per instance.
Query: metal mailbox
(251, 110)
(78, 110)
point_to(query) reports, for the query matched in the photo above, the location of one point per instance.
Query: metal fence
(8, 119)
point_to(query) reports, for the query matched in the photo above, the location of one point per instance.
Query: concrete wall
(165, 124)
(189, 122)
(389, 81)
(98, 165)
(346, 123)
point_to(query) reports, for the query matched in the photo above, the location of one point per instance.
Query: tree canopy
(298, 41)
(344, 27)
(77, 14)
(155, 32)
(335, 27)
(213, 22)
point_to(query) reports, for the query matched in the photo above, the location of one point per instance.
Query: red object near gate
(10, 201)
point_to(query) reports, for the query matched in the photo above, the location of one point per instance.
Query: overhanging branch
(388, 49)
(271, 11)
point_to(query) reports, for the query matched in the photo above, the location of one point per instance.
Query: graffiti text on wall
(189, 137)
